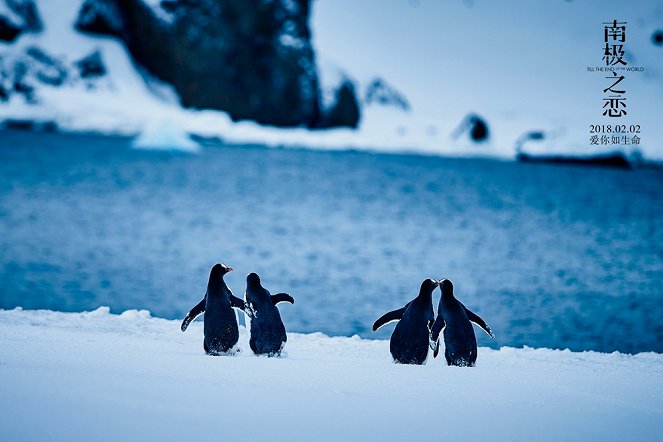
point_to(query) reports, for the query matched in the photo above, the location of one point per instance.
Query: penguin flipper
(432, 343)
(385, 319)
(193, 314)
(438, 325)
(480, 322)
(282, 297)
(235, 302)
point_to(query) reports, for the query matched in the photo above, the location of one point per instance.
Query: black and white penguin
(459, 340)
(268, 335)
(220, 327)
(409, 341)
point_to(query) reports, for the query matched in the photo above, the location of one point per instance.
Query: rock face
(345, 111)
(251, 58)
(16, 17)
(91, 66)
(25, 71)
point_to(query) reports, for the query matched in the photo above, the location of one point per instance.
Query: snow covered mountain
(400, 76)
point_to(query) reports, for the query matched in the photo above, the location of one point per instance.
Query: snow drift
(96, 375)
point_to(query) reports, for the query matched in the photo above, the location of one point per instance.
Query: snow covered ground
(521, 65)
(98, 376)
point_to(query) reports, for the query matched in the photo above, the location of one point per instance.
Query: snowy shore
(100, 376)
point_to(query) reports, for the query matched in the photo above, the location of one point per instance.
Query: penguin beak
(230, 269)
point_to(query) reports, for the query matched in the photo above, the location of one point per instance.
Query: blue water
(548, 255)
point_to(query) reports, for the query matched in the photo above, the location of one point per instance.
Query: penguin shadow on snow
(460, 343)
(267, 332)
(417, 329)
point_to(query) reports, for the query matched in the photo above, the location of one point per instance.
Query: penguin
(268, 336)
(459, 340)
(220, 327)
(409, 341)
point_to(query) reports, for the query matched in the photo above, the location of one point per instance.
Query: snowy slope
(97, 376)
(521, 65)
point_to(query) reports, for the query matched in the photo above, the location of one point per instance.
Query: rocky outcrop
(252, 58)
(9, 30)
(657, 38)
(49, 70)
(475, 127)
(380, 92)
(24, 72)
(91, 66)
(104, 17)
(16, 17)
(344, 110)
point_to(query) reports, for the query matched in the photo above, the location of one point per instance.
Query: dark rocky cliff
(251, 58)
(17, 17)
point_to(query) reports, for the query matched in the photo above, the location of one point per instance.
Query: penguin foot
(230, 352)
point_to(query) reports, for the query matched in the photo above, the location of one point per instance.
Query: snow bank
(99, 376)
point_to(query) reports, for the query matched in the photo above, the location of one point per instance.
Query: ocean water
(550, 256)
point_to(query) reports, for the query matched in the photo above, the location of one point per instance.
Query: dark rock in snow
(345, 111)
(48, 70)
(476, 128)
(91, 66)
(8, 29)
(22, 17)
(534, 135)
(379, 92)
(614, 159)
(101, 17)
(29, 125)
(657, 38)
(253, 59)
(22, 73)
(21, 85)
(27, 10)
(4, 93)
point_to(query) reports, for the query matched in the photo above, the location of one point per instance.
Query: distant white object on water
(164, 135)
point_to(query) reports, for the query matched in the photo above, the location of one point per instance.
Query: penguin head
(253, 280)
(428, 285)
(220, 270)
(446, 286)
